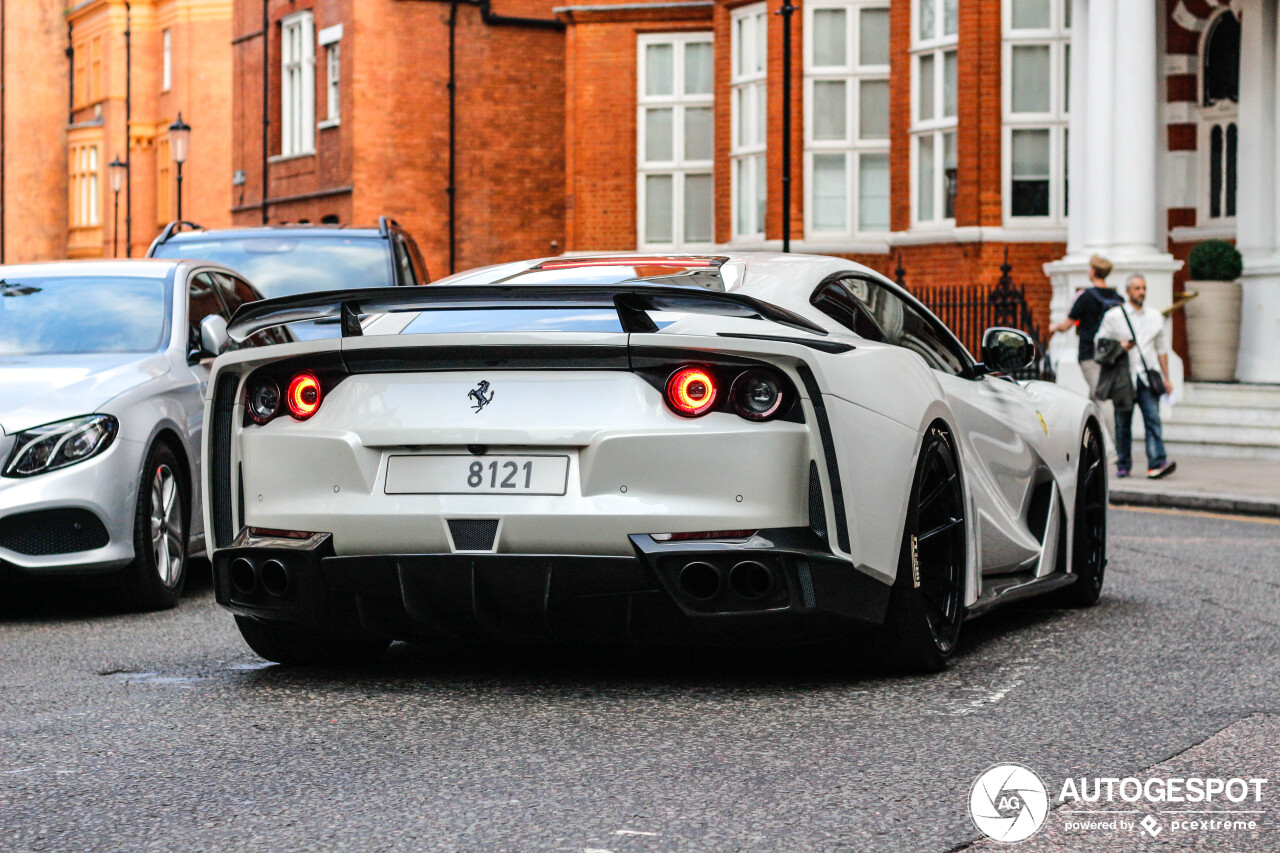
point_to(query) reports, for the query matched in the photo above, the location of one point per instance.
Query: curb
(1211, 503)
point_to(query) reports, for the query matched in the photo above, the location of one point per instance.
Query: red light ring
(304, 395)
(683, 391)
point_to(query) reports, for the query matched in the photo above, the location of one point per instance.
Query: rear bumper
(643, 599)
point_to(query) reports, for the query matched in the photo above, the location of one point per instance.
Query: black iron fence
(969, 310)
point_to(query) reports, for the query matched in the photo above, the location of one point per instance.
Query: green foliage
(1214, 260)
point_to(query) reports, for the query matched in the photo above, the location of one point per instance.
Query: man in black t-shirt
(1087, 311)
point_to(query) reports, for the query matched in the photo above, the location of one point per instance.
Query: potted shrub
(1213, 318)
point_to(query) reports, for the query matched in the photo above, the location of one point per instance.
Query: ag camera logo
(1008, 803)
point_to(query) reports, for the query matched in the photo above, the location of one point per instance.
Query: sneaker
(1122, 472)
(1163, 471)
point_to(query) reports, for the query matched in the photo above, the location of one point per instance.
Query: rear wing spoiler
(632, 302)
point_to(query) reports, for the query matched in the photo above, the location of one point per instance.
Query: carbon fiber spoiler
(632, 302)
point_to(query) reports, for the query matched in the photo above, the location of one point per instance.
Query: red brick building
(939, 134)
(359, 121)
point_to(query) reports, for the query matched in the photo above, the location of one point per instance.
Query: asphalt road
(164, 732)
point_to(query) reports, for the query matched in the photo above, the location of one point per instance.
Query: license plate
(477, 475)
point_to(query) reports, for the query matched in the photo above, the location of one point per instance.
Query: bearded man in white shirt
(1147, 338)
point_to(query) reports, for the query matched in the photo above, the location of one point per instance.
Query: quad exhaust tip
(244, 576)
(751, 579)
(702, 581)
(273, 575)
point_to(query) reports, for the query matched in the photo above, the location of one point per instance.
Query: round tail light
(304, 395)
(758, 395)
(691, 391)
(263, 400)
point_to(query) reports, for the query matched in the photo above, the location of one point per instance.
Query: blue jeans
(1150, 407)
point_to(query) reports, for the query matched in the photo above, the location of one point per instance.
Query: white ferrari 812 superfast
(744, 448)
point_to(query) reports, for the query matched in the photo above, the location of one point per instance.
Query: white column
(1116, 154)
(1099, 139)
(1258, 216)
(1078, 128)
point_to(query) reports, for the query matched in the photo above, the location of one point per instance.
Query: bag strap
(1136, 343)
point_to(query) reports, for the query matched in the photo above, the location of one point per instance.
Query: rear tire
(1089, 527)
(153, 581)
(926, 604)
(298, 645)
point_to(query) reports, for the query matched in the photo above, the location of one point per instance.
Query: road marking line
(1164, 510)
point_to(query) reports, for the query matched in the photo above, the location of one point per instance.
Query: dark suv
(282, 260)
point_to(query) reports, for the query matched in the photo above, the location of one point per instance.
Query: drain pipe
(266, 94)
(452, 189)
(488, 17)
(128, 130)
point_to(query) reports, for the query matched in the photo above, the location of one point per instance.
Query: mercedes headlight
(57, 445)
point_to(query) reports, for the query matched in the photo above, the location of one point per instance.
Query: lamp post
(179, 137)
(117, 169)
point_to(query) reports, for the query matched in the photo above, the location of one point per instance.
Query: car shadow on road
(44, 600)
(410, 666)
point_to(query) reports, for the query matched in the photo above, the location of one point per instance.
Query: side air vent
(52, 531)
(829, 451)
(224, 404)
(817, 509)
(473, 534)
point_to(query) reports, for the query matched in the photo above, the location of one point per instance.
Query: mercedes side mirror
(1005, 350)
(214, 339)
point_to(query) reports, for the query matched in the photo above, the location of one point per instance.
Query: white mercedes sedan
(102, 370)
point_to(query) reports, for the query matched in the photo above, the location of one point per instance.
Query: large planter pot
(1213, 330)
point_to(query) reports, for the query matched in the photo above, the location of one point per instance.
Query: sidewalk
(1246, 486)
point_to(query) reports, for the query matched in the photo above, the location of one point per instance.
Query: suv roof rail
(174, 227)
(385, 224)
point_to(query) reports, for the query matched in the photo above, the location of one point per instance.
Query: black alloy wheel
(926, 605)
(1089, 529)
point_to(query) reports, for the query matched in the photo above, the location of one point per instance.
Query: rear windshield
(523, 320)
(287, 264)
(50, 316)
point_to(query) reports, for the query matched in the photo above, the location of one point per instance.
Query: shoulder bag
(1155, 379)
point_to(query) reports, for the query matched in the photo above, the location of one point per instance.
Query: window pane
(697, 133)
(761, 113)
(1066, 78)
(829, 192)
(658, 135)
(659, 65)
(1066, 13)
(873, 192)
(949, 174)
(829, 31)
(762, 42)
(950, 17)
(697, 208)
(1232, 142)
(949, 83)
(928, 22)
(926, 87)
(742, 196)
(697, 68)
(1030, 171)
(1031, 14)
(873, 109)
(1031, 153)
(744, 29)
(657, 208)
(1215, 172)
(762, 191)
(924, 178)
(829, 109)
(873, 37)
(1031, 79)
(741, 105)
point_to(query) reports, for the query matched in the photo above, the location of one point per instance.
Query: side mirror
(213, 335)
(1005, 350)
